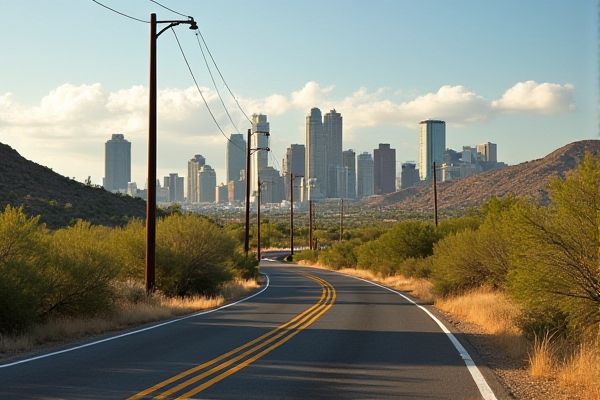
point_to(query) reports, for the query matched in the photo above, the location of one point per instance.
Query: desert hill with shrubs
(60, 200)
(529, 179)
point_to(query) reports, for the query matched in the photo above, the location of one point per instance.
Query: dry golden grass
(494, 313)
(542, 358)
(133, 308)
(581, 372)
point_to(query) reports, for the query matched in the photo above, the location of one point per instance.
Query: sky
(522, 74)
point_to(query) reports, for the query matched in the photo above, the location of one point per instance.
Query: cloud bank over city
(78, 119)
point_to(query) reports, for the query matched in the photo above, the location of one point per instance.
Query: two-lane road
(311, 334)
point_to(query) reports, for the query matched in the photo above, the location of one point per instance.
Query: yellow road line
(252, 359)
(237, 358)
(301, 316)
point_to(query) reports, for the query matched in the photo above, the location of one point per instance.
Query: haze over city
(507, 73)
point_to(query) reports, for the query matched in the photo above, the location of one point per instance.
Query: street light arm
(173, 23)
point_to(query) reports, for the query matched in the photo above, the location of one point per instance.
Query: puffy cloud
(310, 95)
(530, 96)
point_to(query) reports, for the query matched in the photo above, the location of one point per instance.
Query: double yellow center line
(188, 383)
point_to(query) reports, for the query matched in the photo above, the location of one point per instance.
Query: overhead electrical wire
(212, 78)
(120, 13)
(200, 90)
(170, 9)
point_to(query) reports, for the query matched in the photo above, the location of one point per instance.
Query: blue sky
(522, 74)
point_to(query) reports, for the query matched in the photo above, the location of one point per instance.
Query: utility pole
(292, 176)
(341, 219)
(310, 224)
(258, 223)
(151, 185)
(247, 235)
(435, 202)
(248, 154)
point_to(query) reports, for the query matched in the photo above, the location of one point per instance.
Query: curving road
(312, 334)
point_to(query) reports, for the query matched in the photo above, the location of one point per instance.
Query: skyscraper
(488, 152)
(293, 163)
(364, 175)
(194, 166)
(117, 164)
(207, 184)
(332, 129)
(409, 176)
(222, 195)
(432, 144)
(316, 154)
(384, 169)
(349, 158)
(236, 156)
(260, 158)
(175, 184)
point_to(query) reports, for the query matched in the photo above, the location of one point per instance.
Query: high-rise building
(316, 153)
(222, 194)
(194, 166)
(117, 164)
(236, 191)
(364, 175)
(259, 140)
(207, 183)
(384, 169)
(488, 152)
(349, 158)
(332, 129)
(409, 176)
(272, 189)
(293, 163)
(175, 184)
(432, 144)
(236, 156)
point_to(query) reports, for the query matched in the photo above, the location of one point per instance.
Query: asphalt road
(312, 334)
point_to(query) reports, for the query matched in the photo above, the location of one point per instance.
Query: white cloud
(77, 119)
(530, 96)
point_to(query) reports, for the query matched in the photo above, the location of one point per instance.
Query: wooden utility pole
(341, 219)
(310, 224)
(258, 223)
(435, 202)
(291, 214)
(247, 233)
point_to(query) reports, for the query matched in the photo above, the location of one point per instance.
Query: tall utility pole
(292, 176)
(151, 186)
(248, 154)
(341, 219)
(258, 223)
(310, 224)
(435, 202)
(247, 235)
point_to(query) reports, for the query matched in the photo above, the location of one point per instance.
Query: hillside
(59, 200)
(529, 179)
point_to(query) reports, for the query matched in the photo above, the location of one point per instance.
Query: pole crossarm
(172, 23)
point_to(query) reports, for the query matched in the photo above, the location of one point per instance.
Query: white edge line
(480, 381)
(108, 339)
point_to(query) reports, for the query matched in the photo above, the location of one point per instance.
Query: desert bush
(311, 256)
(192, 255)
(556, 251)
(340, 255)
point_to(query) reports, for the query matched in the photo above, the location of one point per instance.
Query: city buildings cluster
(320, 169)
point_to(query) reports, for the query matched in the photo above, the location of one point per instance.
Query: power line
(200, 91)
(222, 78)
(170, 9)
(120, 13)
(215, 85)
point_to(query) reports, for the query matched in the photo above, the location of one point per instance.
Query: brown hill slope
(59, 200)
(529, 179)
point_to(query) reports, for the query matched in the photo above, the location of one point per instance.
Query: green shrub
(340, 255)
(192, 255)
(307, 255)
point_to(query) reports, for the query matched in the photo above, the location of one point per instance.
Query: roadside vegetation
(85, 279)
(527, 274)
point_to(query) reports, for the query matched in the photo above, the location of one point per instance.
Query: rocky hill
(59, 200)
(528, 179)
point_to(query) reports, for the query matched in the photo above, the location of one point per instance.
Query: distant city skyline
(528, 88)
